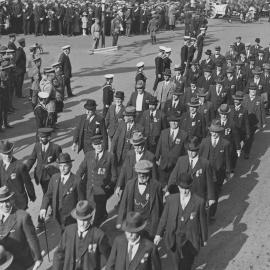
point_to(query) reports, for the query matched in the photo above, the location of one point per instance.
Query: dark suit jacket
(20, 60)
(206, 84)
(42, 173)
(188, 95)
(146, 258)
(18, 180)
(184, 54)
(97, 123)
(239, 48)
(65, 65)
(207, 111)
(127, 170)
(41, 115)
(107, 94)
(203, 184)
(65, 254)
(72, 193)
(112, 119)
(159, 65)
(217, 100)
(193, 226)
(180, 108)
(156, 203)
(145, 103)
(99, 177)
(223, 160)
(18, 235)
(170, 151)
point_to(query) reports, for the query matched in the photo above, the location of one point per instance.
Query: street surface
(240, 238)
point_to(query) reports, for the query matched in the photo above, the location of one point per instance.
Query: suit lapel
(152, 191)
(188, 209)
(88, 240)
(196, 167)
(11, 167)
(138, 256)
(68, 185)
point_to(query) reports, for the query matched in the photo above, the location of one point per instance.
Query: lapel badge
(13, 176)
(49, 159)
(192, 215)
(145, 257)
(155, 120)
(177, 141)
(193, 124)
(92, 248)
(198, 172)
(257, 103)
(182, 219)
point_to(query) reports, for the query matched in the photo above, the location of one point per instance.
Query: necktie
(97, 159)
(142, 184)
(128, 127)
(174, 105)
(2, 219)
(172, 135)
(117, 109)
(62, 179)
(80, 235)
(151, 116)
(130, 252)
(191, 164)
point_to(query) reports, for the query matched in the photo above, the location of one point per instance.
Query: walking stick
(46, 239)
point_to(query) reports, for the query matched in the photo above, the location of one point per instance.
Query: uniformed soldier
(159, 66)
(200, 43)
(166, 59)
(108, 93)
(140, 76)
(98, 172)
(40, 111)
(59, 86)
(152, 28)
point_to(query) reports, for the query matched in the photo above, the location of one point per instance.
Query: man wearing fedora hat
(170, 147)
(194, 72)
(14, 175)
(89, 125)
(132, 250)
(256, 115)
(241, 76)
(183, 224)
(207, 79)
(139, 152)
(255, 79)
(176, 103)
(63, 193)
(216, 150)
(238, 46)
(260, 59)
(218, 57)
(139, 100)
(17, 233)
(115, 113)
(256, 47)
(142, 194)
(82, 245)
(164, 89)
(98, 172)
(200, 170)
(180, 76)
(190, 91)
(152, 122)
(193, 122)
(121, 139)
(207, 62)
(108, 93)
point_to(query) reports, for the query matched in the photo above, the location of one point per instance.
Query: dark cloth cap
(119, 94)
(43, 132)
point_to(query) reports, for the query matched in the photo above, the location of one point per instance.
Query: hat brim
(133, 230)
(7, 151)
(8, 197)
(141, 141)
(89, 108)
(129, 114)
(184, 186)
(62, 162)
(74, 215)
(193, 105)
(217, 130)
(237, 98)
(221, 112)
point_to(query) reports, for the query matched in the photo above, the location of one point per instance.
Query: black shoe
(8, 126)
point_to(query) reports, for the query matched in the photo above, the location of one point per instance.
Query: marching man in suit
(63, 193)
(132, 250)
(140, 76)
(66, 68)
(142, 194)
(14, 175)
(159, 66)
(115, 114)
(20, 61)
(17, 233)
(108, 93)
(183, 224)
(82, 245)
(89, 125)
(98, 173)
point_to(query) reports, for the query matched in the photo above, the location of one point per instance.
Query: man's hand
(157, 239)
(37, 264)
(74, 147)
(118, 192)
(211, 202)
(42, 214)
(204, 244)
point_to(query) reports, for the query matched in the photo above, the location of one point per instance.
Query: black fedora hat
(167, 72)
(153, 100)
(5, 193)
(193, 144)
(179, 90)
(84, 210)
(64, 158)
(134, 222)
(6, 258)
(119, 94)
(173, 117)
(239, 95)
(202, 92)
(184, 180)
(224, 109)
(6, 147)
(44, 132)
(194, 102)
(208, 52)
(97, 139)
(90, 105)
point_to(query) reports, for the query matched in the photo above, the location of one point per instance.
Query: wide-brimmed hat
(90, 105)
(167, 72)
(257, 71)
(220, 80)
(84, 210)
(257, 40)
(143, 166)
(44, 132)
(193, 144)
(230, 70)
(178, 67)
(152, 100)
(194, 102)
(224, 109)
(97, 139)
(134, 222)
(252, 86)
(137, 138)
(184, 180)
(129, 111)
(6, 147)
(139, 84)
(239, 95)
(6, 258)
(5, 193)
(202, 92)
(216, 126)
(178, 91)
(208, 52)
(64, 158)
(119, 94)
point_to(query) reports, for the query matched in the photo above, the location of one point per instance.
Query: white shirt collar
(64, 178)
(6, 215)
(184, 200)
(194, 161)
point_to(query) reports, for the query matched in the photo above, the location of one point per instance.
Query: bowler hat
(130, 111)
(266, 66)
(134, 222)
(119, 94)
(216, 126)
(6, 258)
(194, 102)
(5, 193)
(184, 180)
(179, 90)
(84, 210)
(143, 166)
(6, 147)
(208, 52)
(257, 40)
(239, 95)
(257, 71)
(219, 80)
(193, 144)
(202, 92)
(64, 158)
(139, 84)
(90, 105)
(224, 109)
(173, 117)
(137, 138)
(152, 101)
(167, 72)
(230, 70)
(97, 139)
(43, 132)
